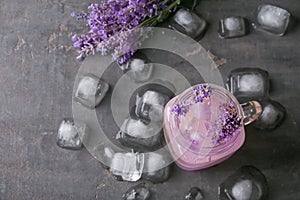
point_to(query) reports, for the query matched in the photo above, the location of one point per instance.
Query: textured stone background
(37, 71)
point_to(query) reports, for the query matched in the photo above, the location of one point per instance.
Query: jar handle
(251, 111)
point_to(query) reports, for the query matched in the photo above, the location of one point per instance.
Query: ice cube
(134, 133)
(91, 90)
(138, 68)
(127, 166)
(242, 190)
(246, 183)
(104, 154)
(157, 168)
(194, 194)
(69, 135)
(272, 115)
(189, 23)
(232, 27)
(150, 106)
(132, 166)
(137, 192)
(272, 19)
(248, 83)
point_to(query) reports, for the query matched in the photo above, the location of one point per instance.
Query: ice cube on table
(133, 166)
(69, 135)
(104, 154)
(151, 105)
(137, 192)
(272, 19)
(246, 183)
(90, 91)
(138, 68)
(157, 168)
(194, 194)
(242, 190)
(135, 134)
(231, 27)
(272, 115)
(127, 166)
(249, 83)
(189, 23)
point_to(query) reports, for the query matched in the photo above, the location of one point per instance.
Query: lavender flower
(117, 18)
(79, 16)
(179, 109)
(201, 92)
(228, 124)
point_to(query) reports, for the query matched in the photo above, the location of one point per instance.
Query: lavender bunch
(112, 25)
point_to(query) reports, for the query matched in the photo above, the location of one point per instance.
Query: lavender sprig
(179, 109)
(113, 18)
(228, 124)
(163, 14)
(201, 92)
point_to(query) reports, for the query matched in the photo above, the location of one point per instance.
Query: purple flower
(125, 57)
(230, 124)
(201, 92)
(112, 18)
(79, 16)
(179, 109)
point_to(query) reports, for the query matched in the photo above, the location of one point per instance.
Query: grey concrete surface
(37, 72)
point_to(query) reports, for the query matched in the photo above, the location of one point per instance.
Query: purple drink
(204, 125)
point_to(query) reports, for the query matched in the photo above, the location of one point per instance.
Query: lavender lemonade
(203, 126)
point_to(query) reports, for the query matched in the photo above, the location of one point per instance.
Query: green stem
(162, 15)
